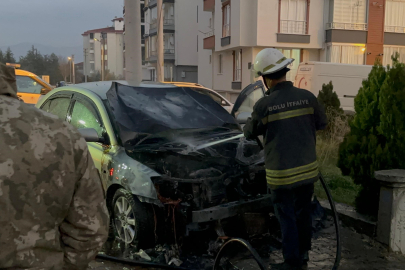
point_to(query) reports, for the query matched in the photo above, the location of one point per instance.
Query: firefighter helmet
(269, 61)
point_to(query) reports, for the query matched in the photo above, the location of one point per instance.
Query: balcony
(226, 35)
(395, 29)
(347, 26)
(209, 5)
(169, 54)
(209, 40)
(293, 27)
(168, 25)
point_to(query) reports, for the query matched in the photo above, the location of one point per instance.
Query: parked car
(30, 87)
(157, 148)
(206, 91)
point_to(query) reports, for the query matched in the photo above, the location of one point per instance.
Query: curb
(350, 218)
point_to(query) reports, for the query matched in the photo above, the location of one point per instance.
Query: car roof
(21, 72)
(101, 88)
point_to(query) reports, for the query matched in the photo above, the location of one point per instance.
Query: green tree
(365, 149)
(9, 56)
(2, 57)
(329, 99)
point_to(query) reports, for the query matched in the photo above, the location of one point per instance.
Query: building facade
(232, 32)
(180, 37)
(113, 40)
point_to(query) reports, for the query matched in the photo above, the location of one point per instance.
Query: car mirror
(90, 135)
(243, 117)
(44, 91)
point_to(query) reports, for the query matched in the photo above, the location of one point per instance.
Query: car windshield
(148, 110)
(27, 84)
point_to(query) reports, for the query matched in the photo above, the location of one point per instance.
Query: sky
(54, 22)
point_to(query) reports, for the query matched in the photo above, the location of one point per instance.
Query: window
(28, 85)
(58, 107)
(391, 50)
(237, 64)
(91, 35)
(142, 13)
(295, 54)
(226, 20)
(92, 67)
(168, 70)
(143, 34)
(293, 16)
(86, 117)
(220, 64)
(349, 14)
(346, 54)
(394, 16)
(210, 58)
(168, 42)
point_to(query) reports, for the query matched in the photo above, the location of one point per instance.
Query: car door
(247, 99)
(85, 114)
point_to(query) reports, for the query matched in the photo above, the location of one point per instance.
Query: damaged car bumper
(230, 209)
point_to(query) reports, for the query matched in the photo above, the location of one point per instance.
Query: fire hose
(254, 252)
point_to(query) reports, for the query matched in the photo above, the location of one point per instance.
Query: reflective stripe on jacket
(288, 118)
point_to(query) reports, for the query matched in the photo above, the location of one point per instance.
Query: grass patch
(342, 188)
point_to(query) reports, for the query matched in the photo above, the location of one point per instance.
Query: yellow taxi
(29, 86)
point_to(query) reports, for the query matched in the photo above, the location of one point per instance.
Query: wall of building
(115, 56)
(204, 55)
(86, 59)
(269, 24)
(190, 72)
(186, 31)
(375, 35)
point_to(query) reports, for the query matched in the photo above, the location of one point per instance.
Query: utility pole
(133, 43)
(84, 65)
(73, 67)
(160, 46)
(102, 56)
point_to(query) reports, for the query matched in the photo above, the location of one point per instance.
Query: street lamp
(70, 67)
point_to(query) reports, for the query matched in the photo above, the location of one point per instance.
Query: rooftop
(104, 30)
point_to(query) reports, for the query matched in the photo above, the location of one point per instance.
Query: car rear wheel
(132, 220)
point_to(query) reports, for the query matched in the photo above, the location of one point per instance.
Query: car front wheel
(133, 220)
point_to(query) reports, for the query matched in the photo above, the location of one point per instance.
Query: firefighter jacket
(288, 118)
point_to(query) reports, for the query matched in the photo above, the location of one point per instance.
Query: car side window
(26, 84)
(57, 106)
(83, 116)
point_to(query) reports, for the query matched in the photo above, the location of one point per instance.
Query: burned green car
(171, 159)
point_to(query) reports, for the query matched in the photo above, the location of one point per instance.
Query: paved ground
(359, 252)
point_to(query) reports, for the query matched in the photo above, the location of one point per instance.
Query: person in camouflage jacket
(52, 206)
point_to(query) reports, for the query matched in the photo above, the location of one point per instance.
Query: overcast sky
(54, 22)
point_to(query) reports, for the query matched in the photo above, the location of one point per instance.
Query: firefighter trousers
(293, 210)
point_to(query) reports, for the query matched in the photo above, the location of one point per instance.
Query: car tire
(133, 221)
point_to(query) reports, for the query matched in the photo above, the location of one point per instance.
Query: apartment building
(113, 40)
(180, 18)
(232, 32)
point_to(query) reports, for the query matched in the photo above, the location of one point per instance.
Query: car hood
(143, 111)
(210, 142)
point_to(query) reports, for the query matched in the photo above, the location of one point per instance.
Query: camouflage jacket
(52, 206)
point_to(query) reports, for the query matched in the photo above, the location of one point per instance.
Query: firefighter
(288, 118)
